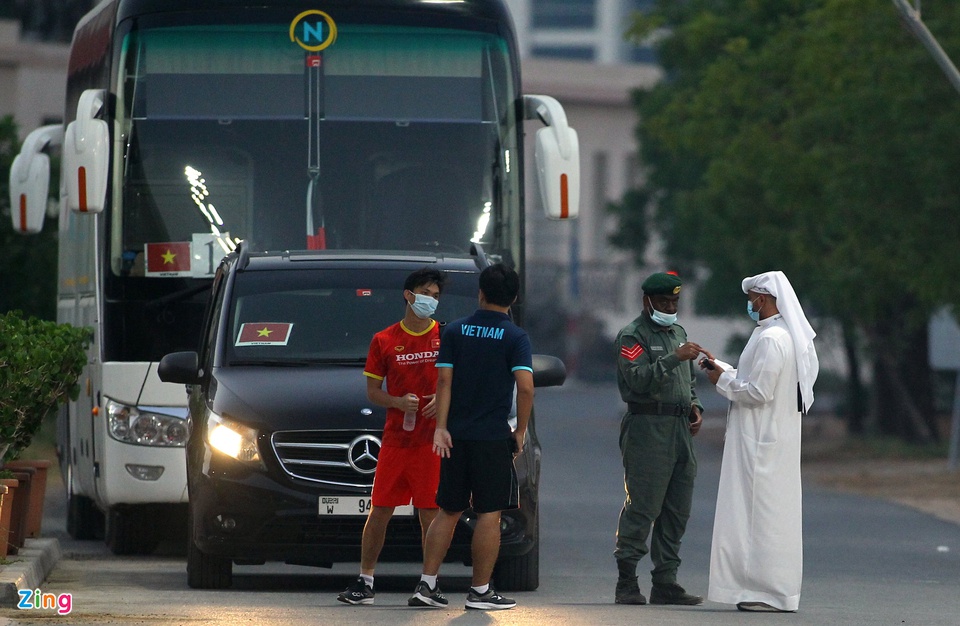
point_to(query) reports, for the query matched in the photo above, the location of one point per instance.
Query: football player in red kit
(403, 355)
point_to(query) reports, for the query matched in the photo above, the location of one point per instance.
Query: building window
(574, 53)
(643, 54)
(563, 14)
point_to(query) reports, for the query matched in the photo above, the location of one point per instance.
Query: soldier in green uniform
(655, 374)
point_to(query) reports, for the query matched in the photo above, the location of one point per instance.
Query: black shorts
(479, 474)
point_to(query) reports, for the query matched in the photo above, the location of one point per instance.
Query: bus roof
(494, 10)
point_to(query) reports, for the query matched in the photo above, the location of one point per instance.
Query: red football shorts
(405, 473)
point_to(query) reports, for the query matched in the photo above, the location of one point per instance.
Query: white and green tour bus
(191, 125)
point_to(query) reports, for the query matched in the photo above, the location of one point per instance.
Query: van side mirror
(86, 150)
(30, 179)
(180, 367)
(556, 157)
(548, 371)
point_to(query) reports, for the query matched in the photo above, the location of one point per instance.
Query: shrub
(40, 364)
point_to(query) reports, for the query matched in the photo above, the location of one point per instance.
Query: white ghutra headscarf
(808, 366)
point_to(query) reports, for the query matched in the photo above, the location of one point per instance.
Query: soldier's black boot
(672, 593)
(628, 592)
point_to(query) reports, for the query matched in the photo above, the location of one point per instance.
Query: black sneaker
(489, 601)
(425, 596)
(672, 593)
(357, 593)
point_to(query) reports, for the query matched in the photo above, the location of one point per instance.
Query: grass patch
(881, 447)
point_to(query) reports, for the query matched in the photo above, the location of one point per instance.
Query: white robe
(757, 549)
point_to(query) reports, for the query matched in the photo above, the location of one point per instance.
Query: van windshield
(320, 316)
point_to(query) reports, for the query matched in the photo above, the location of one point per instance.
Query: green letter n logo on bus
(313, 38)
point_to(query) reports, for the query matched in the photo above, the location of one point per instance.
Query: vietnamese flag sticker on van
(264, 334)
(168, 259)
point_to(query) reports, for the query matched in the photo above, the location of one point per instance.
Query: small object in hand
(705, 363)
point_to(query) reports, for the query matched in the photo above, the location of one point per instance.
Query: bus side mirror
(30, 180)
(548, 371)
(556, 157)
(86, 146)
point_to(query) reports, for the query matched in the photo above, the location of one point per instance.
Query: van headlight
(131, 425)
(232, 438)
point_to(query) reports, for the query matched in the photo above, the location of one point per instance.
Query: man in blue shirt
(481, 358)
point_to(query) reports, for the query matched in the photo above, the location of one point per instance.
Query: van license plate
(353, 506)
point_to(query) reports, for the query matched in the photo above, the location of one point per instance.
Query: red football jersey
(406, 360)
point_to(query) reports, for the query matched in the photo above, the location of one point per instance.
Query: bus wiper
(176, 296)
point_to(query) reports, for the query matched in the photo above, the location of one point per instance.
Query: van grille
(341, 458)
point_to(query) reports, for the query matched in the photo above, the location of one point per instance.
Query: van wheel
(519, 573)
(131, 530)
(206, 571)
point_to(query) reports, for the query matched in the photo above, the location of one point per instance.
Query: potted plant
(8, 486)
(40, 364)
(39, 469)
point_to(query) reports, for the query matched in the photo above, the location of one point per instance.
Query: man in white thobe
(756, 558)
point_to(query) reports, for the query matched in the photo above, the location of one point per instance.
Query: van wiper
(298, 362)
(340, 361)
(272, 362)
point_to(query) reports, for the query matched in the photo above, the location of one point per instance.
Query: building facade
(32, 79)
(584, 30)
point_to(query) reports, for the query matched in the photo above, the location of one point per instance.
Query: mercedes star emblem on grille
(362, 454)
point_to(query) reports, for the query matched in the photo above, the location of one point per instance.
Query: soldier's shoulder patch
(631, 353)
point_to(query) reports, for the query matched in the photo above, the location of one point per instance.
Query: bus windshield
(389, 138)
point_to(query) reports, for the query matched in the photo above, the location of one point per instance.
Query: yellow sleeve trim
(374, 376)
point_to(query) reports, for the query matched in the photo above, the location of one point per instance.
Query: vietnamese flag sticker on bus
(264, 334)
(168, 259)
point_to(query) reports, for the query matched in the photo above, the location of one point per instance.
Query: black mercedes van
(283, 442)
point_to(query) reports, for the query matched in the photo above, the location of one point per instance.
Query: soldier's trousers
(659, 467)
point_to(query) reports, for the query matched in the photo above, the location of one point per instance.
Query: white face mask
(423, 306)
(664, 319)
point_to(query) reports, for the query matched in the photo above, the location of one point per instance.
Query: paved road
(866, 561)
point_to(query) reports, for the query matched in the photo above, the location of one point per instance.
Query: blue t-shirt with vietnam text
(484, 350)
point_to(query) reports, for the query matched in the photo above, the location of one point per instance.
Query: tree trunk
(856, 414)
(902, 383)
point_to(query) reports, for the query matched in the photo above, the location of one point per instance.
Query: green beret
(662, 284)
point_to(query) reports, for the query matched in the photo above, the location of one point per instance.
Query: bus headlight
(232, 438)
(131, 425)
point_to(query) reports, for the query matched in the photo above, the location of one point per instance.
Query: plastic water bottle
(409, 420)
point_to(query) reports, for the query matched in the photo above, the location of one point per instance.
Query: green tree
(28, 263)
(819, 138)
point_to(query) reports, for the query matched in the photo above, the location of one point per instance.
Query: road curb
(27, 569)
